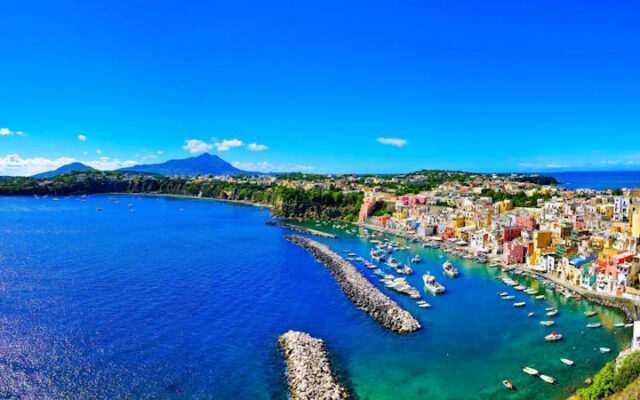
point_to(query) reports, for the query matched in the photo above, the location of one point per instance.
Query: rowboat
(546, 323)
(508, 297)
(549, 309)
(594, 325)
(604, 349)
(540, 297)
(590, 313)
(548, 379)
(508, 384)
(530, 371)
(519, 304)
(506, 294)
(568, 362)
(531, 315)
(552, 313)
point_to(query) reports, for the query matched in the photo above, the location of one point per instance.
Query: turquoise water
(186, 299)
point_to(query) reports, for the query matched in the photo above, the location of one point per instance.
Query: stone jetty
(359, 290)
(301, 229)
(310, 376)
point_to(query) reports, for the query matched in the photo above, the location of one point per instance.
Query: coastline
(186, 196)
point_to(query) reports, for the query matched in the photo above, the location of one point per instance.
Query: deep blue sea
(185, 299)
(599, 180)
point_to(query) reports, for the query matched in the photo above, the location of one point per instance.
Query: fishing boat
(519, 304)
(432, 285)
(416, 259)
(530, 371)
(590, 313)
(552, 313)
(568, 362)
(508, 385)
(553, 337)
(547, 323)
(604, 349)
(508, 297)
(594, 325)
(450, 270)
(540, 297)
(548, 379)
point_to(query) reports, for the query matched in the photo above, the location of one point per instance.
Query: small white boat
(619, 325)
(552, 313)
(520, 288)
(416, 259)
(594, 325)
(547, 323)
(531, 315)
(423, 304)
(549, 309)
(531, 291)
(548, 379)
(450, 270)
(508, 297)
(568, 362)
(503, 294)
(604, 349)
(590, 313)
(530, 371)
(432, 285)
(519, 304)
(553, 337)
(628, 325)
(540, 297)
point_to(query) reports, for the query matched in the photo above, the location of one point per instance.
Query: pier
(308, 369)
(301, 229)
(359, 290)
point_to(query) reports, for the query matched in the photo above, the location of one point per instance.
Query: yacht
(432, 285)
(450, 270)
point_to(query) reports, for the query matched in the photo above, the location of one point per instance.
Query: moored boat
(594, 325)
(553, 337)
(519, 304)
(604, 349)
(530, 371)
(547, 323)
(552, 313)
(450, 270)
(508, 385)
(548, 379)
(432, 285)
(590, 313)
(568, 362)
(416, 259)
(508, 297)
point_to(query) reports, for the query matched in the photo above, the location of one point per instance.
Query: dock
(301, 229)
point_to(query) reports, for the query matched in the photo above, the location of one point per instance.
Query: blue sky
(475, 85)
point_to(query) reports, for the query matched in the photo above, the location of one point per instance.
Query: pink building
(514, 253)
(526, 222)
(511, 232)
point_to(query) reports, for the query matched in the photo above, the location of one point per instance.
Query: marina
(429, 360)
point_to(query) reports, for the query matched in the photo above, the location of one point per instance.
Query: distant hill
(65, 169)
(204, 164)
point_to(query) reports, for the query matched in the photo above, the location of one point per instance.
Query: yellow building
(542, 239)
(634, 220)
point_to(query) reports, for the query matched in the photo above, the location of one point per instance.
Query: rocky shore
(359, 290)
(301, 229)
(308, 368)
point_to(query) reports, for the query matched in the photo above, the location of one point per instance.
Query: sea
(168, 298)
(597, 180)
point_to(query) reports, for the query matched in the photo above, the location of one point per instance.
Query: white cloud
(196, 146)
(14, 165)
(5, 132)
(98, 151)
(19, 133)
(160, 152)
(392, 141)
(265, 166)
(256, 147)
(108, 164)
(82, 137)
(226, 144)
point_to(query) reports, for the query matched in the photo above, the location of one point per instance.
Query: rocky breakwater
(359, 290)
(308, 368)
(301, 229)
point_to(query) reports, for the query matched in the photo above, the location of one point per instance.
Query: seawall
(308, 369)
(301, 229)
(359, 290)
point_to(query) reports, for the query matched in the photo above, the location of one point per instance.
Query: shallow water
(186, 299)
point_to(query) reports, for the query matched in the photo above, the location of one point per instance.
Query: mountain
(204, 164)
(65, 169)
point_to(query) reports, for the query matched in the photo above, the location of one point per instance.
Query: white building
(621, 208)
